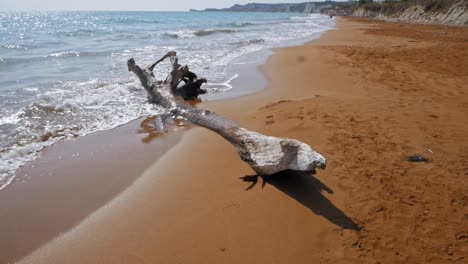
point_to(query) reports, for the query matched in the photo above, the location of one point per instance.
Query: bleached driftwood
(265, 154)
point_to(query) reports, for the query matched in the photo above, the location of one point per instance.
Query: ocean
(64, 74)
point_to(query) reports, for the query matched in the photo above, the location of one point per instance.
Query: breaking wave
(202, 33)
(240, 24)
(14, 46)
(198, 33)
(249, 42)
(69, 74)
(70, 53)
(70, 109)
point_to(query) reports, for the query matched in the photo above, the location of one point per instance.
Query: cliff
(306, 7)
(454, 12)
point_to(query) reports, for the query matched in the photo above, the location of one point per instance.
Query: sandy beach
(366, 95)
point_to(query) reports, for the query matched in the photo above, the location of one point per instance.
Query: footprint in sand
(269, 120)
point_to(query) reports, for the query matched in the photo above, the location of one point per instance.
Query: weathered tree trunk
(266, 155)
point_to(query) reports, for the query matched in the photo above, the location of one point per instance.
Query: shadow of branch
(307, 190)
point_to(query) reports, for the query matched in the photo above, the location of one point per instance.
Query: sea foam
(63, 74)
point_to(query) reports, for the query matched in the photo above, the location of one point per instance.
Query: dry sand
(366, 96)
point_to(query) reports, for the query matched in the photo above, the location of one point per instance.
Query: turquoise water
(63, 74)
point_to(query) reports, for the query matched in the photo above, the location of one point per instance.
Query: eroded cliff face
(456, 14)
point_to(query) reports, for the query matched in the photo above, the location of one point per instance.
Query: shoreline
(72, 179)
(369, 205)
(92, 96)
(69, 177)
(193, 139)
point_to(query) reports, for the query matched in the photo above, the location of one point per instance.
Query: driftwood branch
(151, 67)
(265, 154)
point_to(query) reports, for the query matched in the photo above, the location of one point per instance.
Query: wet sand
(366, 96)
(71, 180)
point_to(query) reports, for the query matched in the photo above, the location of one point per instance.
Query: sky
(134, 5)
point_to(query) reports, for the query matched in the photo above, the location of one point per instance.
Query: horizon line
(92, 10)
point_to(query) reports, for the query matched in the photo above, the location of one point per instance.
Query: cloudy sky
(156, 5)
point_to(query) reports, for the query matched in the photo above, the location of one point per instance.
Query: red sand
(366, 96)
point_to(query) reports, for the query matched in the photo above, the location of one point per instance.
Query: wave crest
(202, 33)
(14, 46)
(249, 42)
(49, 108)
(70, 53)
(198, 33)
(245, 24)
